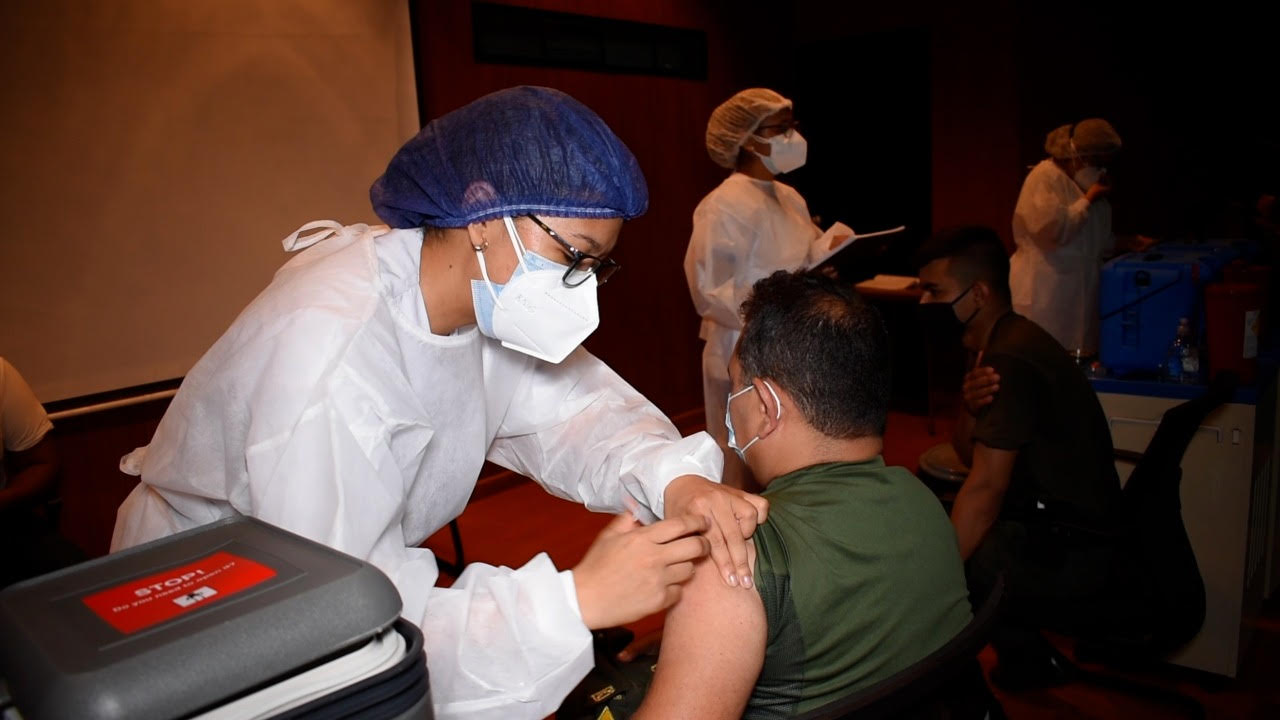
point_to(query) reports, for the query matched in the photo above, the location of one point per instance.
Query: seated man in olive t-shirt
(1039, 504)
(856, 571)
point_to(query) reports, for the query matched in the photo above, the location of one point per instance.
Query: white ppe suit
(330, 409)
(1055, 270)
(743, 231)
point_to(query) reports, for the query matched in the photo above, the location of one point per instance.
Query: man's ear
(981, 293)
(770, 399)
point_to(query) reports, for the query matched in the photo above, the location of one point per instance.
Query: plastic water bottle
(1190, 358)
(1182, 362)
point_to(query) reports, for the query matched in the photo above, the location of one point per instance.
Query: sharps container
(235, 619)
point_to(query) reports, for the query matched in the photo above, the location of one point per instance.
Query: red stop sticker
(141, 603)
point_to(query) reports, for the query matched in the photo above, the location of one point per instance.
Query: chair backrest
(1164, 452)
(1160, 592)
(925, 682)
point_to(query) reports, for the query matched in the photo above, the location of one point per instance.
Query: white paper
(889, 282)
(842, 229)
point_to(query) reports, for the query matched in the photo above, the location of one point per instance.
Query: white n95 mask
(1088, 176)
(787, 152)
(534, 312)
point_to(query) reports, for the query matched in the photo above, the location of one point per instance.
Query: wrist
(580, 597)
(570, 585)
(677, 485)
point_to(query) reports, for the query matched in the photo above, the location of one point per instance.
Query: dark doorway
(863, 105)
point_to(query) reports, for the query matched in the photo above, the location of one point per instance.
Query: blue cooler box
(1223, 250)
(1143, 295)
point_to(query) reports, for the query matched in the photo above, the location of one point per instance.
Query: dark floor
(510, 526)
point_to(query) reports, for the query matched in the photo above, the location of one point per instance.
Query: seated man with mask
(1040, 501)
(856, 570)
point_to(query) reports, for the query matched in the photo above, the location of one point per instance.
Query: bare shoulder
(712, 650)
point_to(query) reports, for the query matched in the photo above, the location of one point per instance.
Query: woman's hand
(632, 571)
(731, 516)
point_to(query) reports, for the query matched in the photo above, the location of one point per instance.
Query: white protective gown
(743, 230)
(330, 409)
(1055, 270)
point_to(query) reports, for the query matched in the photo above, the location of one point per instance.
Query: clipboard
(866, 245)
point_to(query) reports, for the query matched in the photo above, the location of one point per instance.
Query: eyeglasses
(785, 128)
(583, 265)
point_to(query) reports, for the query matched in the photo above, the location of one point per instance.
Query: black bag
(612, 690)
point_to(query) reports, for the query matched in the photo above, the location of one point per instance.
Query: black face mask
(941, 325)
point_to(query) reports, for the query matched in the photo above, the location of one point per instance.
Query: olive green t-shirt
(860, 576)
(1047, 411)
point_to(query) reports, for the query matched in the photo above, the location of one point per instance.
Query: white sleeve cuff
(697, 454)
(570, 591)
(1079, 208)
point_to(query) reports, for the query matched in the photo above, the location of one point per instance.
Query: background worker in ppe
(29, 469)
(356, 398)
(744, 230)
(1062, 229)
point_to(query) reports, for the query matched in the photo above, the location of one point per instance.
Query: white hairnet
(1094, 136)
(737, 118)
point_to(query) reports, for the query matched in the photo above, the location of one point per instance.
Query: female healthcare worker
(744, 230)
(355, 399)
(1062, 228)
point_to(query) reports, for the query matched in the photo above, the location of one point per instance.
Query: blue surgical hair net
(516, 151)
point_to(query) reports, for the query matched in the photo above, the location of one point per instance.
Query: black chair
(1156, 586)
(459, 563)
(948, 683)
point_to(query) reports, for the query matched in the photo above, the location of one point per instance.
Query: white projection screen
(156, 151)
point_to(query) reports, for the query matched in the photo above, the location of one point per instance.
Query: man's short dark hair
(976, 253)
(826, 346)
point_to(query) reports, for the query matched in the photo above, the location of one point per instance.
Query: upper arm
(22, 417)
(712, 650)
(1010, 421)
(715, 230)
(25, 425)
(584, 434)
(32, 474)
(42, 453)
(721, 243)
(1042, 209)
(992, 469)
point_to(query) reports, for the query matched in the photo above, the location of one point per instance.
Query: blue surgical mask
(728, 421)
(484, 299)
